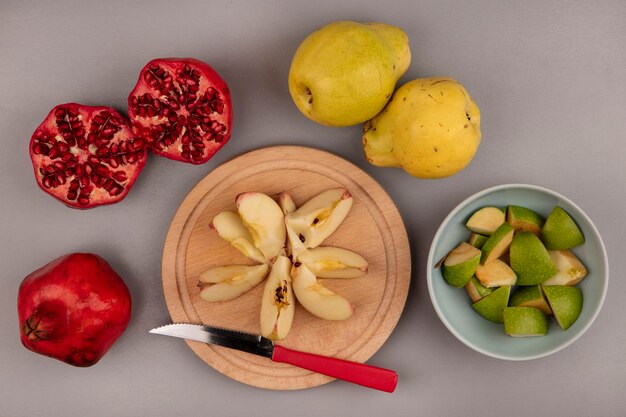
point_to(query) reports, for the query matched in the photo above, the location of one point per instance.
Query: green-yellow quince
(430, 128)
(345, 72)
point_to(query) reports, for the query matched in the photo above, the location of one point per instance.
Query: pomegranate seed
(131, 157)
(115, 190)
(101, 169)
(120, 176)
(47, 182)
(138, 144)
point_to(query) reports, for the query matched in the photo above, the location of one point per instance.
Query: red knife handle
(357, 373)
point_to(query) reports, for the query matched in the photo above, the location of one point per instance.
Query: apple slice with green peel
(497, 244)
(265, 220)
(476, 290)
(492, 305)
(495, 274)
(229, 227)
(530, 259)
(531, 296)
(524, 219)
(486, 220)
(331, 262)
(566, 303)
(560, 231)
(278, 302)
(460, 264)
(317, 299)
(570, 270)
(524, 322)
(230, 281)
(477, 240)
(319, 217)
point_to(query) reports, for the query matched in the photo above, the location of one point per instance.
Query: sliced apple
(319, 217)
(566, 303)
(477, 240)
(486, 220)
(331, 262)
(317, 299)
(524, 219)
(524, 322)
(570, 270)
(460, 264)
(286, 203)
(498, 243)
(265, 220)
(278, 303)
(530, 259)
(530, 296)
(495, 274)
(295, 247)
(230, 281)
(492, 305)
(229, 227)
(476, 290)
(560, 231)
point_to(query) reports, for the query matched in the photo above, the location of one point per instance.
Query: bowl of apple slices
(517, 272)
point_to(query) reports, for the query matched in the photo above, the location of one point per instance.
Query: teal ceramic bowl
(453, 305)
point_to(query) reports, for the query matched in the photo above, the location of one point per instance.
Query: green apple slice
(497, 244)
(531, 296)
(477, 240)
(566, 303)
(491, 306)
(460, 264)
(495, 274)
(524, 322)
(486, 220)
(530, 259)
(524, 219)
(570, 270)
(560, 231)
(476, 290)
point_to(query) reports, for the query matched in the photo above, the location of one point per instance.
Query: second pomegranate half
(182, 108)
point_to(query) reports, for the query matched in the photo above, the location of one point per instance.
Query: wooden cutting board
(373, 229)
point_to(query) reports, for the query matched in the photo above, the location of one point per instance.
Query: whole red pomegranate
(182, 108)
(86, 156)
(73, 309)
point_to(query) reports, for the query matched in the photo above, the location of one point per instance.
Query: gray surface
(549, 80)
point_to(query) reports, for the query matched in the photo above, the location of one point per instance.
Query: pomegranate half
(182, 108)
(86, 156)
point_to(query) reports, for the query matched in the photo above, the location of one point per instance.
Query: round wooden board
(373, 229)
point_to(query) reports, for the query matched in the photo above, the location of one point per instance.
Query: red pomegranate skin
(73, 309)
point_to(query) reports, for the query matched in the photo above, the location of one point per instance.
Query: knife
(357, 373)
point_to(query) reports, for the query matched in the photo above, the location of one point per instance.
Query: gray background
(549, 80)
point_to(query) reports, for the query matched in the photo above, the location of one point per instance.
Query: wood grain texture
(373, 229)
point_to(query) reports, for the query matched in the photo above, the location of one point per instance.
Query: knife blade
(357, 373)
